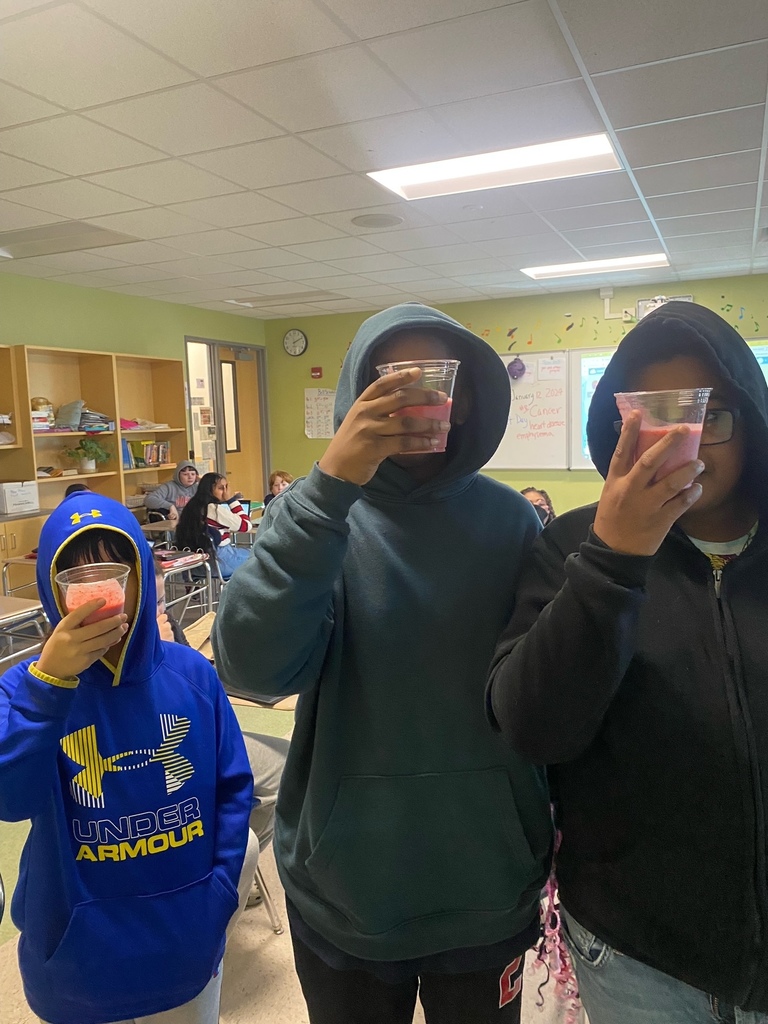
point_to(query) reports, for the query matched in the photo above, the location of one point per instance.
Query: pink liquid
(79, 594)
(431, 412)
(687, 452)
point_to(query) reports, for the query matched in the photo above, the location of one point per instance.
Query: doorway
(228, 413)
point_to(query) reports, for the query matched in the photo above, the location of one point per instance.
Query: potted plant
(88, 453)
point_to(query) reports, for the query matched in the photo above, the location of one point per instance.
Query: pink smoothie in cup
(688, 450)
(432, 412)
(111, 591)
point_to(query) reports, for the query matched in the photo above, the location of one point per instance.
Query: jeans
(616, 989)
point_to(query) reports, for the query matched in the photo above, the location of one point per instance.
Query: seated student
(266, 754)
(74, 488)
(636, 666)
(542, 503)
(278, 481)
(168, 500)
(132, 769)
(209, 520)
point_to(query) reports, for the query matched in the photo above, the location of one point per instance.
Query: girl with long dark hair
(208, 521)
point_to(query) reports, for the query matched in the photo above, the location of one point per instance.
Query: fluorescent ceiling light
(657, 259)
(591, 154)
(5, 255)
(236, 302)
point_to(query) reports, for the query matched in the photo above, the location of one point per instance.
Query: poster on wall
(318, 412)
(587, 367)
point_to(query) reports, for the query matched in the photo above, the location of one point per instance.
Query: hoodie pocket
(169, 940)
(400, 848)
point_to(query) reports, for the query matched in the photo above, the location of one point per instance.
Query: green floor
(13, 834)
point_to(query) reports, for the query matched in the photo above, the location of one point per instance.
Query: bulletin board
(586, 368)
(537, 431)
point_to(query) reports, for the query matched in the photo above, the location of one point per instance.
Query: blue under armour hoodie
(137, 784)
(405, 826)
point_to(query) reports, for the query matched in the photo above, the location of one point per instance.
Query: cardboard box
(19, 497)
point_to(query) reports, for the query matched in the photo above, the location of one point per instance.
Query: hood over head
(186, 464)
(471, 444)
(84, 511)
(682, 328)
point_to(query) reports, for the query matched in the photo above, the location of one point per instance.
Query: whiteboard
(586, 368)
(760, 350)
(537, 431)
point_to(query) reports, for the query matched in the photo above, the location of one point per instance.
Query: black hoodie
(648, 697)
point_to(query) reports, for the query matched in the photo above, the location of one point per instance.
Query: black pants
(359, 997)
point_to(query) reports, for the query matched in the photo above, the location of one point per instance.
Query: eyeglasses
(717, 428)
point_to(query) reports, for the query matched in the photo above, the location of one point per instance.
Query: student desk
(22, 628)
(164, 530)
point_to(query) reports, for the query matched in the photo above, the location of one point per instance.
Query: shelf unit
(127, 386)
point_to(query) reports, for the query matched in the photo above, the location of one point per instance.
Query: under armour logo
(77, 517)
(82, 748)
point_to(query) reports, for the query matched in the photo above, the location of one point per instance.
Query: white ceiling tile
(93, 280)
(76, 262)
(14, 172)
(427, 59)
(337, 282)
(329, 195)
(395, 141)
(263, 259)
(367, 264)
(370, 291)
(711, 172)
(234, 210)
(706, 200)
(706, 257)
(306, 271)
(544, 242)
(139, 275)
(611, 187)
(414, 238)
(271, 162)
(321, 90)
(163, 120)
(688, 243)
(707, 223)
(175, 285)
(290, 232)
(284, 288)
(243, 278)
(75, 146)
(526, 117)
(65, 41)
(291, 309)
(136, 252)
(13, 216)
(10, 7)
(368, 20)
(336, 249)
(163, 183)
(212, 243)
(707, 135)
(406, 275)
(406, 212)
(699, 84)
(498, 227)
(339, 305)
(147, 289)
(446, 254)
(195, 266)
(27, 268)
(464, 267)
(73, 198)
(216, 36)
(502, 278)
(596, 216)
(656, 30)
(639, 231)
(454, 294)
(494, 202)
(607, 250)
(17, 107)
(156, 222)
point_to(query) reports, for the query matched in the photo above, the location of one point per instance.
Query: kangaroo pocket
(128, 946)
(400, 848)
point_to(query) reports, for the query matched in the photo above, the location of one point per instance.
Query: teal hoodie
(405, 826)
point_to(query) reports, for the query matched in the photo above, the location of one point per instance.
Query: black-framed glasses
(717, 428)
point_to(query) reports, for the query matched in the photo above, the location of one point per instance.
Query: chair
(274, 917)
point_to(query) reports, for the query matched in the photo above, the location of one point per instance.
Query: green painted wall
(36, 312)
(541, 324)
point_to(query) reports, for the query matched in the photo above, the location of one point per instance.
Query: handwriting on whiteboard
(538, 412)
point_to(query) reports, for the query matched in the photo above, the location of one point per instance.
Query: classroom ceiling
(231, 140)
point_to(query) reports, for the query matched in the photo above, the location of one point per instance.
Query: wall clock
(295, 342)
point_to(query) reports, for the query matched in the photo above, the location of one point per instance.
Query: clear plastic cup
(662, 411)
(436, 375)
(85, 583)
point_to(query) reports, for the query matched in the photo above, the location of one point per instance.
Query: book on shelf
(128, 459)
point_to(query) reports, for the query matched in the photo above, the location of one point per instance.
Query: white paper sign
(552, 368)
(318, 412)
